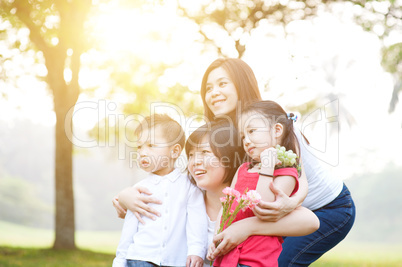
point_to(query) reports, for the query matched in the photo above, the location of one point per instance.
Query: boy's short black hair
(172, 130)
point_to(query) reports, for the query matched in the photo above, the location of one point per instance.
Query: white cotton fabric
(322, 186)
(181, 230)
(211, 230)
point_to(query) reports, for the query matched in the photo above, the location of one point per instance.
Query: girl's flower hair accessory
(292, 116)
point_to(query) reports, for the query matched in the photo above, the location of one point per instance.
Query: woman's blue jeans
(336, 220)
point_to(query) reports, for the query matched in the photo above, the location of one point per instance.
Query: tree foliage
(384, 18)
(238, 19)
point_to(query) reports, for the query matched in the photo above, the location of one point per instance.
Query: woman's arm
(131, 198)
(297, 223)
(283, 204)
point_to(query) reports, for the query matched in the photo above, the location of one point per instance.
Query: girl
(214, 154)
(263, 125)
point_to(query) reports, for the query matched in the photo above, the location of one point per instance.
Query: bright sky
(295, 68)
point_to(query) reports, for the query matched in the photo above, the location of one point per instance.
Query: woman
(228, 85)
(212, 164)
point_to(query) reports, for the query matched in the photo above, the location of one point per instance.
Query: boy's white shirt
(181, 230)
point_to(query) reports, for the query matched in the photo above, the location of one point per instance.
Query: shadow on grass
(30, 257)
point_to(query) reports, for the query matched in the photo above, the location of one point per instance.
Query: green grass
(362, 254)
(47, 257)
(14, 235)
(25, 246)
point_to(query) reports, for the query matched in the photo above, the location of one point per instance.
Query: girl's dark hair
(225, 143)
(275, 114)
(242, 77)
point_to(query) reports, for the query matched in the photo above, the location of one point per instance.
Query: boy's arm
(129, 229)
(196, 224)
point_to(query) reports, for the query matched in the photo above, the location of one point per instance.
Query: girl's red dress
(257, 250)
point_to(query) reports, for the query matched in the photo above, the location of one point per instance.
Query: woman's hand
(230, 238)
(274, 211)
(121, 212)
(135, 201)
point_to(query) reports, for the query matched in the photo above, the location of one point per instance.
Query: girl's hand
(136, 202)
(211, 250)
(274, 211)
(121, 213)
(230, 238)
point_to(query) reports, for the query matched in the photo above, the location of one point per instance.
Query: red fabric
(257, 250)
(289, 172)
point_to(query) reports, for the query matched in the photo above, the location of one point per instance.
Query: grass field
(24, 246)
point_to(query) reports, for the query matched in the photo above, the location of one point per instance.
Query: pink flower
(231, 192)
(253, 198)
(227, 190)
(244, 201)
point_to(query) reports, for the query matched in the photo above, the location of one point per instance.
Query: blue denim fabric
(242, 265)
(137, 263)
(336, 220)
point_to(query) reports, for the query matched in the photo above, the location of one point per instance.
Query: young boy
(179, 235)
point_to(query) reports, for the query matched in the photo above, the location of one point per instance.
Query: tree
(57, 30)
(384, 18)
(237, 19)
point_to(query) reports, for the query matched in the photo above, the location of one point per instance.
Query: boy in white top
(179, 236)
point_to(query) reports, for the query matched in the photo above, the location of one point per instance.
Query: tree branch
(23, 13)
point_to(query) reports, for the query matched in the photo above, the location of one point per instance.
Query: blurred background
(101, 64)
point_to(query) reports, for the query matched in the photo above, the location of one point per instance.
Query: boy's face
(155, 155)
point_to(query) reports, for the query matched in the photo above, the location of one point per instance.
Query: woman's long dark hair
(275, 114)
(243, 79)
(225, 143)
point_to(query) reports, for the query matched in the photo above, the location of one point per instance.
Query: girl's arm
(298, 223)
(283, 204)
(131, 198)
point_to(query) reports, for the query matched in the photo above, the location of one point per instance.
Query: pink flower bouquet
(248, 200)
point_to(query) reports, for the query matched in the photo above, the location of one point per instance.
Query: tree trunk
(65, 97)
(65, 219)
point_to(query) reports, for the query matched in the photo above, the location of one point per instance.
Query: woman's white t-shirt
(322, 186)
